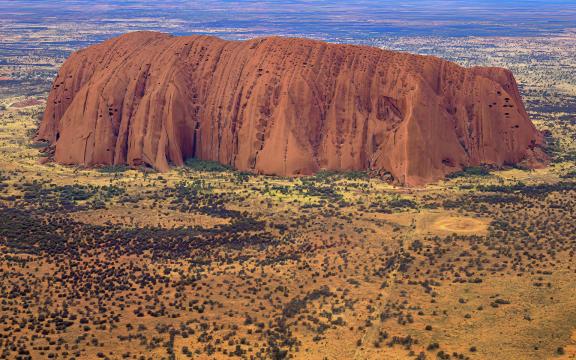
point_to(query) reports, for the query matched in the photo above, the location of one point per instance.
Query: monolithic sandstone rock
(283, 106)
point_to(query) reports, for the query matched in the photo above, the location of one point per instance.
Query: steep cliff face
(283, 106)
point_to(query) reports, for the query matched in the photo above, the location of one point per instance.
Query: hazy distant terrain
(335, 20)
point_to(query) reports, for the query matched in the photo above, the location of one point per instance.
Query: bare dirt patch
(568, 352)
(440, 222)
(460, 225)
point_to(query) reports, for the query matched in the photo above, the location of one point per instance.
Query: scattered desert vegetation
(206, 262)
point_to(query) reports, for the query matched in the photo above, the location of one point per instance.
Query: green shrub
(471, 171)
(39, 145)
(206, 165)
(569, 175)
(112, 169)
(355, 175)
(349, 175)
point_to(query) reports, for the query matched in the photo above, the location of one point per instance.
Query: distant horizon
(327, 20)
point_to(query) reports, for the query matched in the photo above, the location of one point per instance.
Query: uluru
(283, 106)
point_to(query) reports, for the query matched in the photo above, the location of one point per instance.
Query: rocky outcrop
(283, 106)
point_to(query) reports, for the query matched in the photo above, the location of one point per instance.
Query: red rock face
(283, 106)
